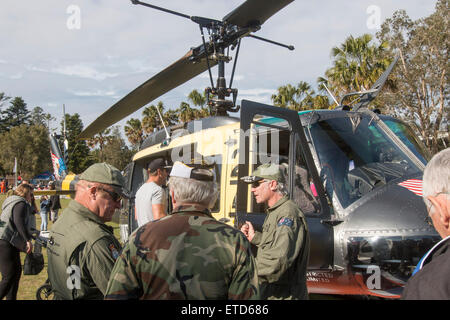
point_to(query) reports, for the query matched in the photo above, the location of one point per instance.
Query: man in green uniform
(188, 254)
(82, 250)
(283, 244)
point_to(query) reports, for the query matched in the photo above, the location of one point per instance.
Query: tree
(16, 114)
(422, 75)
(30, 146)
(78, 151)
(134, 132)
(301, 97)
(115, 151)
(39, 117)
(357, 64)
(199, 100)
(100, 139)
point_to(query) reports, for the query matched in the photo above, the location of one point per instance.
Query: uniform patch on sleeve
(285, 222)
(114, 251)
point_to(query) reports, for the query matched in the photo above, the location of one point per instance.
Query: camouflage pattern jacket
(186, 255)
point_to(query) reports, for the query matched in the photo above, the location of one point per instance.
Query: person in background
(45, 205)
(151, 198)
(55, 203)
(15, 237)
(432, 281)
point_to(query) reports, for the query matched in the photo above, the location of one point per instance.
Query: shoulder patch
(114, 252)
(285, 222)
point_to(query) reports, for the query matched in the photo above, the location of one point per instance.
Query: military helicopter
(355, 173)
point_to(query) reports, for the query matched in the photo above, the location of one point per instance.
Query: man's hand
(29, 247)
(248, 230)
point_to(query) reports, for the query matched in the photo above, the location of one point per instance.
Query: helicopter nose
(386, 235)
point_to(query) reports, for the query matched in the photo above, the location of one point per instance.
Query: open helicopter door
(271, 134)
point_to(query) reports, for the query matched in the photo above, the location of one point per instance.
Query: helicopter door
(270, 134)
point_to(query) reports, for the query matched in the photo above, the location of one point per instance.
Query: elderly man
(188, 254)
(432, 282)
(82, 250)
(283, 244)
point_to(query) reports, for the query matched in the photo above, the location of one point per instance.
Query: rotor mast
(222, 35)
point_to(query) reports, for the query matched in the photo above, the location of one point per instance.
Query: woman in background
(15, 236)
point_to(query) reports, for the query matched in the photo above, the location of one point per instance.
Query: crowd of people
(188, 254)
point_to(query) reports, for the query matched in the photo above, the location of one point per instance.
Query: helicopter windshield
(407, 136)
(356, 156)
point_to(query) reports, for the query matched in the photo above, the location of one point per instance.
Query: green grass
(29, 284)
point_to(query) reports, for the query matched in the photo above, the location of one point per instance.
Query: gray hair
(436, 176)
(194, 191)
(281, 188)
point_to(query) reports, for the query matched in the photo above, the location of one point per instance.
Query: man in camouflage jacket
(188, 254)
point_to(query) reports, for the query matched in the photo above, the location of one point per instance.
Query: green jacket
(81, 251)
(186, 255)
(283, 252)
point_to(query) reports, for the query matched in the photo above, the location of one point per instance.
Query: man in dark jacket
(55, 205)
(432, 282)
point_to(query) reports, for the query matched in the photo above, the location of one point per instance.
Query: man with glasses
(431, 281)
(82, 249)
(283, 244)
(151, 198)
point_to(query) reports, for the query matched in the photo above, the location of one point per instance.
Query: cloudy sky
(88, 54)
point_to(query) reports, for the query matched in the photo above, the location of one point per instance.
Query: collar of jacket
(192, 208)
(84, 212)
(277, 204)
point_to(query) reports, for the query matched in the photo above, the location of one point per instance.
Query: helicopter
(355, 173)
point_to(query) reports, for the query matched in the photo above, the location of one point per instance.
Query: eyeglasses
(114, 195)
(256, 184)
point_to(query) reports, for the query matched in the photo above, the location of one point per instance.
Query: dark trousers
(11, 270)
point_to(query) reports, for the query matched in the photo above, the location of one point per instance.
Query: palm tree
(186, 113)
(134, 132)
(151, 119)
(357, 65)
(199, 100)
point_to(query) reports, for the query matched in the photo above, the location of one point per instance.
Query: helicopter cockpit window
(304, 192)
(407, 136)
(269, 143)
(356, 156)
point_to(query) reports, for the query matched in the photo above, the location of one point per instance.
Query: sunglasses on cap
(114, 195)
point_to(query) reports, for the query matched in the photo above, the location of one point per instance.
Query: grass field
(29, 284)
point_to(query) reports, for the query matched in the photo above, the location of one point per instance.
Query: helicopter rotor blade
(254, 12)
(176, 74)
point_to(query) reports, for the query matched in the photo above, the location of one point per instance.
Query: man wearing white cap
(188, 254)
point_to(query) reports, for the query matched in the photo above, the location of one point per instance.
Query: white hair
(436, 176)
(194, 191)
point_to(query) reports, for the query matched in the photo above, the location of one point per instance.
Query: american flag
(413, 185)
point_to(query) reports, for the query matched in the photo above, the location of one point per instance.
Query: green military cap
(268, 171)
(106, 174)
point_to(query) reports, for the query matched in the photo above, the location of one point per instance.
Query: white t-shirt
(149, 193)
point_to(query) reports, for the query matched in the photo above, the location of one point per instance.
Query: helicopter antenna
(162, 121)
(329, 92)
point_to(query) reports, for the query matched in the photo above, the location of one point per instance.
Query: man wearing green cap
(82, 250)
(283, 244)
